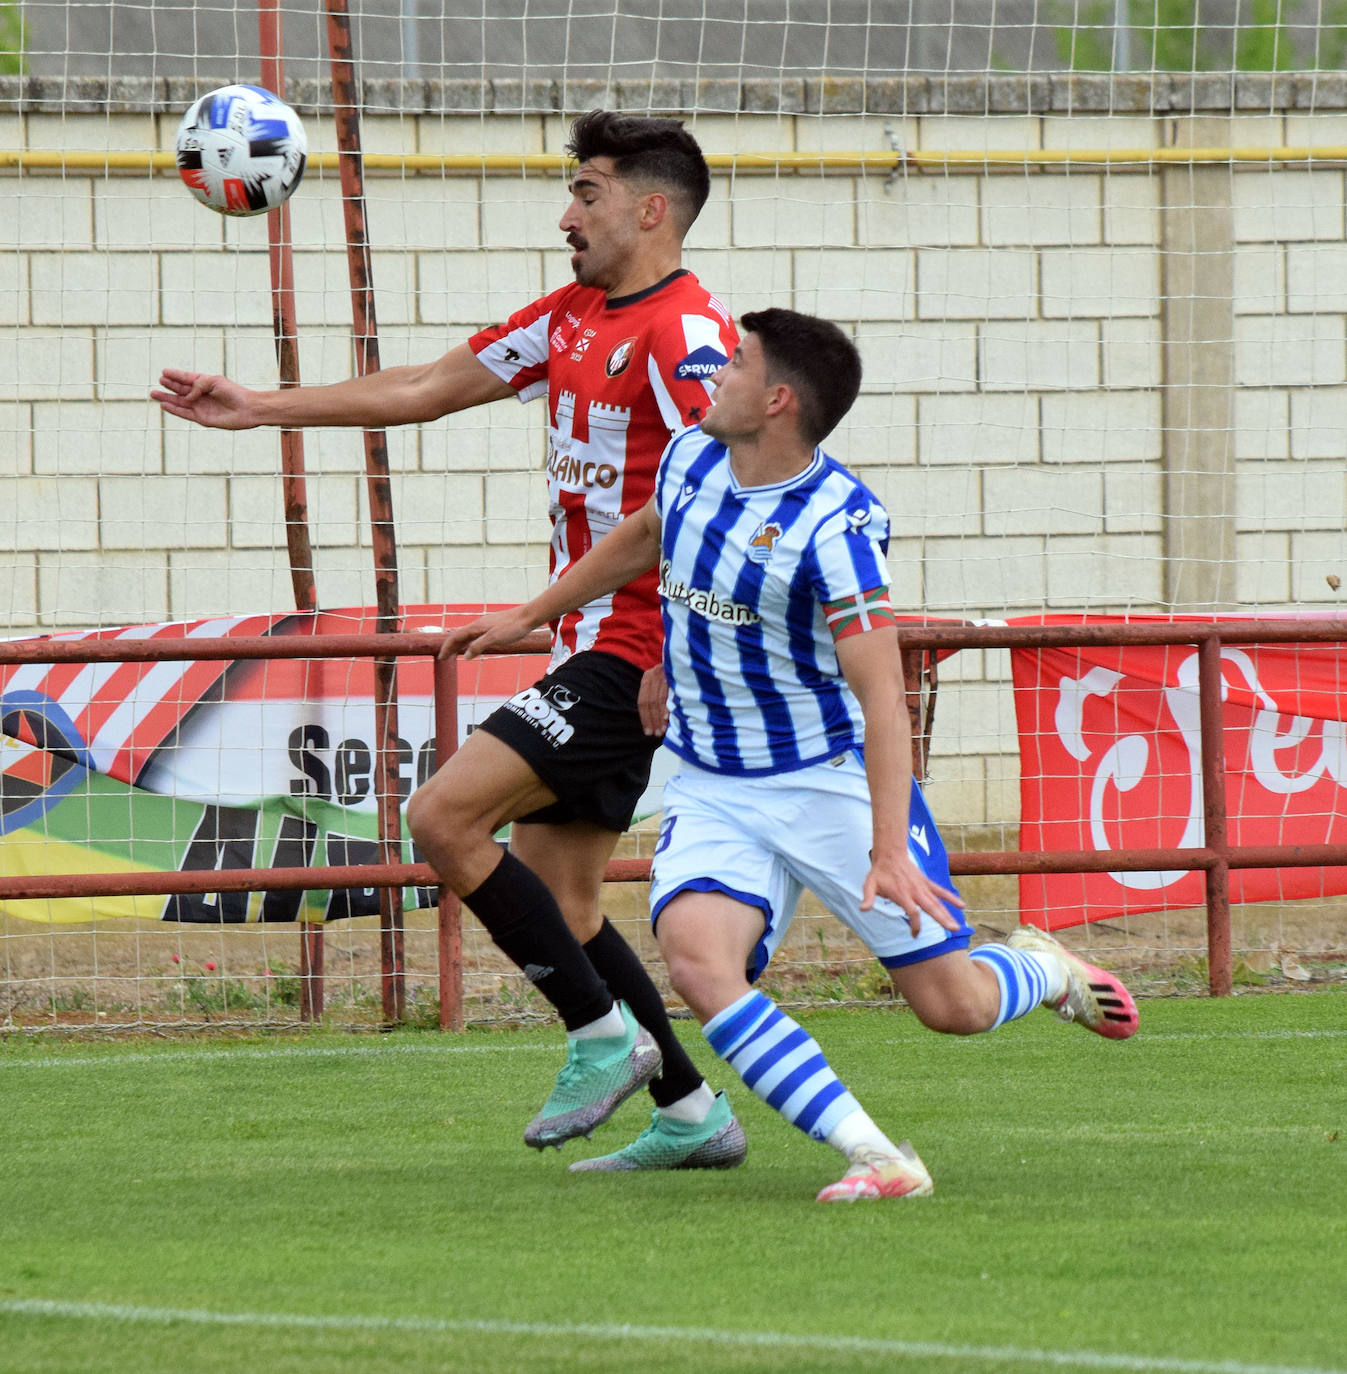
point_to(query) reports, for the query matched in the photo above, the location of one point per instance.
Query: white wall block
(1118, 570)
(919, 210)
(1042, 210)
(1101, 426)
(799, 212)
(855, 283)
(919, 357)
(977, 284)
(76, 590)
(87, 438)
(64, 284)
(1035, 500)
(978, 430)
(1316, 278)
(1287, 206)
(1084, 282)
(470, 290)
(1039, 354)
(1291, 350)
(1296, 496)
(46, 364)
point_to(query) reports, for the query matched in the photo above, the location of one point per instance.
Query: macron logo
(686, 495)
(703, 363)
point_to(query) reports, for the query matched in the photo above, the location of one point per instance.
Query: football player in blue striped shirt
(787, 711)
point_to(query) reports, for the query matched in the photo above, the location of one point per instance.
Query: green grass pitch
(1176, 1203)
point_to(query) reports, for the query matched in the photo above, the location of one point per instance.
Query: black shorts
(579, 729)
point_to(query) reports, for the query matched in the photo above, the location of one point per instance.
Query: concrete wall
(1099, 386)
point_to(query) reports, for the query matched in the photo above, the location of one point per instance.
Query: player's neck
(761, 462)
(646, 270)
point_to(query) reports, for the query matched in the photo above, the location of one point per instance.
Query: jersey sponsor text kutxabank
(745, 573)
(620, 376)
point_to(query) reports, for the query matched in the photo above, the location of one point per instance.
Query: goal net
(1093, 257)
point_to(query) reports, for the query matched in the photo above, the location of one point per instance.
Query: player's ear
(781, 398)
(654, 210)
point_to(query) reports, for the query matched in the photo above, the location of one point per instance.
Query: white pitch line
(763, 1340)
(263, 1055)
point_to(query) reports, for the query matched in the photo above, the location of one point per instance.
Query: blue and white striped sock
(781, 1062)
(1025, 978)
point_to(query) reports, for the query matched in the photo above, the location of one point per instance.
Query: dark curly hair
(656, 152)
(815, 359)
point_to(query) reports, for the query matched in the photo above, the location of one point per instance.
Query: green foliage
(1167, 35)
(13, 39)
(319, 1203)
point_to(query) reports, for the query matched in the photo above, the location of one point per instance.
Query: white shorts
(762, 840)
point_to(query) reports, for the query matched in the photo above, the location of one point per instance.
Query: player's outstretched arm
(871, 664)
(620, 556)
(394, 396)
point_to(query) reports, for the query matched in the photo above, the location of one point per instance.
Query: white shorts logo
(543, 711)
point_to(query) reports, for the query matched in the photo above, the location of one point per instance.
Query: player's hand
(215, 402)
(495, 630)
(901, 881)
(652, 701)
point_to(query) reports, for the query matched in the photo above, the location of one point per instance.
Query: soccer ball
(241, 150)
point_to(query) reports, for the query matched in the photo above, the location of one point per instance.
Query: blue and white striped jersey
(744, 575)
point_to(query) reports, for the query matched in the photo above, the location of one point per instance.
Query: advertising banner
(174, 764)
(1110, 752)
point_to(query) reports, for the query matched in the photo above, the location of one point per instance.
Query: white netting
(1102, 316)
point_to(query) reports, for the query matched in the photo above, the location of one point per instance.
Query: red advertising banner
(1110, 752)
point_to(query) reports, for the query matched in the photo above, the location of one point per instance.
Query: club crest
(763, 540)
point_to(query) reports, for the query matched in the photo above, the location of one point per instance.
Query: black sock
(523, 918)
(621, 969)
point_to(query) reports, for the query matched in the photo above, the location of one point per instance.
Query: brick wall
(1014, 322)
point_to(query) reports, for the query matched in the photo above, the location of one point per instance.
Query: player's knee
(951, 1015)
(957, 1020)
(682, 973)
(688, 976)
(430, 822)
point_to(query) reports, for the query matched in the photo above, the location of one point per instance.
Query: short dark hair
(815, 359)
(659, 151)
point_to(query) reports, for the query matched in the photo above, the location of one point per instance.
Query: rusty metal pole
(345, 103)
(294, 495)
(1220, 966)
(919, 683)
(450, 942)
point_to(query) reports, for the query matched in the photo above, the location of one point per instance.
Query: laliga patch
(701, 365)
(615, 364)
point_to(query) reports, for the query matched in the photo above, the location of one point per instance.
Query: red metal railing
(1216, 858)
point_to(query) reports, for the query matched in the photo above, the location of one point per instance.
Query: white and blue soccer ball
(241, 150)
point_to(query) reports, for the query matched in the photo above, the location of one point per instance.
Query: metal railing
(1216, 858)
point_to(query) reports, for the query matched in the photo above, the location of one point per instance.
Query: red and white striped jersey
(620, 376)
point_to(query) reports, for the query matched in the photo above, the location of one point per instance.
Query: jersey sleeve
(687, 351)
(518, 351)
(849, 551)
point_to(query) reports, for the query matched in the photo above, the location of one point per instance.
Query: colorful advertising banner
(179, 765)
(173, 765)
(1110, 752)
